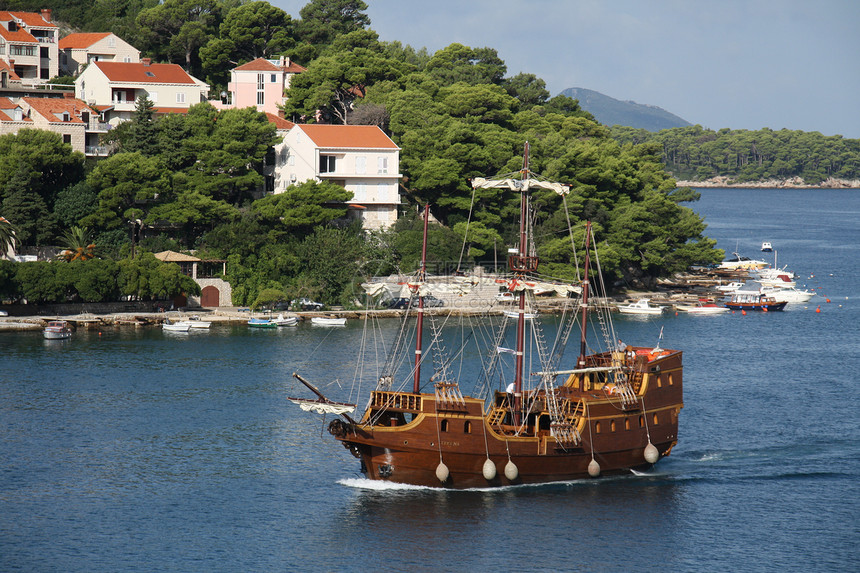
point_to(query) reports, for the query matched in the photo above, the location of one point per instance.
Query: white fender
(593, 468)
(442, 472)
(651, 454)
(489, 470)
(511, 471)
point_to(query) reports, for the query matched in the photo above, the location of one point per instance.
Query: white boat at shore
(328, 321)
(193, 324)
(641, 306)
(170, 326)
(282, 320)
(787, 294)
(702, 308)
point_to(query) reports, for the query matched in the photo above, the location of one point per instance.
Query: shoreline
(793, 183)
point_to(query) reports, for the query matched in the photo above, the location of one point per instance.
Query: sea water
(144, 450)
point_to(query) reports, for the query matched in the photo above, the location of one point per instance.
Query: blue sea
(141, 450)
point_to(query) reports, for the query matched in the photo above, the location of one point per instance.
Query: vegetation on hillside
(695, 154)
(189, 181)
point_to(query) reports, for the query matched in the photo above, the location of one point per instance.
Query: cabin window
(626, 423)
(641, 421)
(659, 381)
(597, 427)
(671, 382)
(612, 426)
(467, 427)
(444, 425)
(655, 419)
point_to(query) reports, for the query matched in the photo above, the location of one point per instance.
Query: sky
(735, 64)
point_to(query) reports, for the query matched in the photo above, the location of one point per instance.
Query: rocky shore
(791, 183)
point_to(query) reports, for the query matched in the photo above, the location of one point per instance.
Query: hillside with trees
(697, 154)
(192, 181)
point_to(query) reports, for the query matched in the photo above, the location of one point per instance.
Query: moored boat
(641, 306)
(328, 321)
(282, 320)
(171, 326)
(702, 307)
(751, 297)
(261, 323)
(739, 262)
(609, 411)
(57, 330)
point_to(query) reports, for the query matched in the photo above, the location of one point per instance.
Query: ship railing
(449, 397)
(397, 401)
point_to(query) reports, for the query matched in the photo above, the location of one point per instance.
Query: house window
(274, 79)
(327, 164)
(111, 41)
(180, 97)
(261, 98)
(67, 138)
(260, 79)
(361, 164)
(382, 165)
(2, 48)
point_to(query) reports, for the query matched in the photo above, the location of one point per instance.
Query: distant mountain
(610, 111)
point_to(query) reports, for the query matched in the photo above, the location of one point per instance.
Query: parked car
(430, 301)
(305, 303)
(398, 303)
(506, 296)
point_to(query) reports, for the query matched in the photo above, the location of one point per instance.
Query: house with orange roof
(29, 45)
(78, 50)
(8, 77)
(12, 117)
(115, 87)
(360, 158)
(260, 84)
(79, 124)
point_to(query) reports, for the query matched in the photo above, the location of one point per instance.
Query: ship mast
(582, 350)
(419, 326)
(520, 268)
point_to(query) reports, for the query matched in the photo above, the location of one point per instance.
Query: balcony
(96, 151)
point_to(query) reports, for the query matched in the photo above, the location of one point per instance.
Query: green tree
(459, 63)
(325, 20)
(128, 185)
(175, 30)
(302, 207)
(249, 31)
(26, 209)
(74, 203)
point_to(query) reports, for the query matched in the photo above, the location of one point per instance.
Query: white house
(78, 50)
(28, 44)
(117, 85)
(361, 158)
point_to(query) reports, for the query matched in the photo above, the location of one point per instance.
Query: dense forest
(695, 154)
(190, 182)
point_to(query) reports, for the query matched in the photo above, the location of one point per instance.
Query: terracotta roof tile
(348, 136)
(19, 35)
(264, 65)
(140, 73)
(30, 19)
(52, 109)
(81, 41)
(279, 122)
(10, 69)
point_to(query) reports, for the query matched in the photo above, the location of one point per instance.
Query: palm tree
(78, 245)
(8, 236)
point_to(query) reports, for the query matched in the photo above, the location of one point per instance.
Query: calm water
(145, 451)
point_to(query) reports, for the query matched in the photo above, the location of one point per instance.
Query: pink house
(259, 84)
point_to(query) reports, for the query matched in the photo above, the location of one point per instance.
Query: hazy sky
(719, 63)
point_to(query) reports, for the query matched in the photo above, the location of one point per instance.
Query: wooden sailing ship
(610, 412)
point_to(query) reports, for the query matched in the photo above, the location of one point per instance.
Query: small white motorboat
(766, 247)
(787, 294)
(194, 323)
(169, 326)
(730, 287)
(282, 320)
(328, 321)
(702, 308)
(641, 306)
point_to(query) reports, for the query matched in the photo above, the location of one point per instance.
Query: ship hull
(615, 435)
